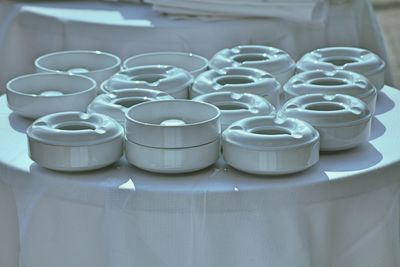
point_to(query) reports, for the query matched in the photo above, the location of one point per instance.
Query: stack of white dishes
(94, 64)
(345, 58)
(171, 80)
(266, 58)
(343, 121)
(192, 63)
(238, 80)
(75, 141)
(35, 95)
(117, 103)
(270, 146)
(234, 106)
(331, 83)
(172, 136)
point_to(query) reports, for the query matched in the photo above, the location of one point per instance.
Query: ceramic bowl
(192, 63)
(266, 58)
(75, 141)
(94, 64)
(331, 83)
(172, 160)
(234, 106)
(342, 121)
(173, 124)
(35, 95)
(117, 103)
(171, 80)
(238, 80)
(270, 146)
(353, 59)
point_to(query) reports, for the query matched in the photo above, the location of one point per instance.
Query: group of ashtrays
(237, 107)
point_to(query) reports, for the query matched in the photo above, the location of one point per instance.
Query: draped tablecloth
(30, 29)
(344, 211)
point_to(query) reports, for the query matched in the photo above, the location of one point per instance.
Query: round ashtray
(172, 160)
(353, 59)
(237, 80)
(332, 83)
(192, 63)
(342, 121)
(266, 58)
(35, 95)
(75, 141)
(117, 103)
(173, 123)
(94, 64)
(234, 106)
(272, 146)
(172, 80)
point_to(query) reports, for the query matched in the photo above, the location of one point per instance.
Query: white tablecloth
(30, 29)
(342, 212)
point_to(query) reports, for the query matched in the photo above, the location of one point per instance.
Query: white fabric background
(342, 212)
(28, 30)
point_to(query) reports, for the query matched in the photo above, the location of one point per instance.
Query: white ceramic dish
(35, 95)
(270, 146)
(174, 81)
(342, 121)
(172, 160)
(238, 80)
(94, 64)
(75, 141)
(332, 83)
(192, 63)
(172, 123)
(345, 58)
(266, 58)
(117, 103)
(234, 106)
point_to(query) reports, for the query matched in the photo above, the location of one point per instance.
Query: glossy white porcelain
(353, 59)
(238, 80)
(97, 65)
(270, 146)
(266, 58)
(75, 141)
(331, 83)
(35, 95)
(192, 63)
(343, 121)
(172, 160)
(173, 123)
(174, 81)
(117, 103)
(234, 106)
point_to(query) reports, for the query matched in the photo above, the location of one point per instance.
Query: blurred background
(388, 12)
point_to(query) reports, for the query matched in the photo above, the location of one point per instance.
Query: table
(344, 211)
(32, 28)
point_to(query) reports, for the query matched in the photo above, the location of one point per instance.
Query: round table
(344, 211)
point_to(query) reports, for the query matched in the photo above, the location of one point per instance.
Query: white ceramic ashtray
(75, 141)
(272, 146)
(266, 58)
(35, 95)
(343, 121)
(117, 103)
(345, 58)
(192, 63)
(238, 80)
(332, 83)
(94, 64)
(234, 106)
(175, 135)
(174, 81)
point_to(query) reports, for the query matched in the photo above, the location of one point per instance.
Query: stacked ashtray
(172, 136)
